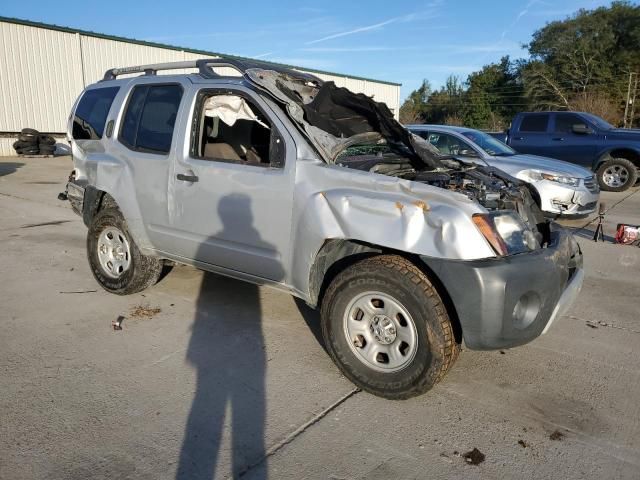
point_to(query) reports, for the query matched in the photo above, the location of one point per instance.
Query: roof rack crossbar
(205, 67)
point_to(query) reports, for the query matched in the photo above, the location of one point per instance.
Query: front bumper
(565, 200)
(509, 301)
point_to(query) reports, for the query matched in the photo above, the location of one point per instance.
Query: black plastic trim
(485, 292)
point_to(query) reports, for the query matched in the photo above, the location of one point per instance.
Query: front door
(231, 192)
(579, 148)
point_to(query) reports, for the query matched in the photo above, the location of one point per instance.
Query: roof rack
(206, 67)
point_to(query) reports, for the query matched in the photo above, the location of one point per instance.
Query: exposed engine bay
(491, 188)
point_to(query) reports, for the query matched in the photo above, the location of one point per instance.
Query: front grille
(591, 184)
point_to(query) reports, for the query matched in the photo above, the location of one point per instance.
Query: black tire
(611, 166)
(30, 131)
(143, 271)
(46, 140)
(28, 151)
(28, 139)
(403, 282)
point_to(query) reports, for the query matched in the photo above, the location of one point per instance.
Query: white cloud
(410, 17)
(350, 49)
(367, 28)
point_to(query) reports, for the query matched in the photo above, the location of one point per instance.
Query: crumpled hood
(517, 163)
(334, 118)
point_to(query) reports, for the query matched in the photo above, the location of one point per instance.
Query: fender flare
(606, 154)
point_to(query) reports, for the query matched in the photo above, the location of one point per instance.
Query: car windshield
(599, 122)
(489, 144)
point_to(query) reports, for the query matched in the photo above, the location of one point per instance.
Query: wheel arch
(96, 199)
(336, 255)
(619, 152)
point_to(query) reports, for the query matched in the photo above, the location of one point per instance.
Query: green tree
(414, 107)
(580, 63)
(585, 60)
(494, 94)
(445, 105)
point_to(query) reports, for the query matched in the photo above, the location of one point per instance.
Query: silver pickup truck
(275, 177)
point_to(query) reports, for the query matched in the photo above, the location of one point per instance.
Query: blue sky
(399, 40)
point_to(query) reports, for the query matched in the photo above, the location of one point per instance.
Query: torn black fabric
(343, 114)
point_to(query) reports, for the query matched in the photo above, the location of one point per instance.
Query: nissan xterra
(275, 177)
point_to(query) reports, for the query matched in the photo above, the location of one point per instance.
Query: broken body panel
(406, 199)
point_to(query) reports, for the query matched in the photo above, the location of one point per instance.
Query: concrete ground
(211, 376)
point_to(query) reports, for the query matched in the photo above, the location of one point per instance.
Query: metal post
(633, 101)
(626, 105)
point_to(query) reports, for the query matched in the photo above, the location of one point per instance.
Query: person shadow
(227, 350)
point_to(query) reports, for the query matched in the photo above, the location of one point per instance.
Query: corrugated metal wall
(42, 71)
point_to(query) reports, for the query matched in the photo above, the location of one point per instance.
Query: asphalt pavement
(211, 377)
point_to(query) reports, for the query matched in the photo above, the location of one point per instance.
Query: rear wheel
(617, 175)
(115, 260)
(386, 328)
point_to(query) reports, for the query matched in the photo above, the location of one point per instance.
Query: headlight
(505, 232)
(537, 175)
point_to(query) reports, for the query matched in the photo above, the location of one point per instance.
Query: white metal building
(43, 69)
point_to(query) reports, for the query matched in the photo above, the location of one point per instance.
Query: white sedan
(562, 188)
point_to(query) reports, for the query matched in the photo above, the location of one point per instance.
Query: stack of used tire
(32, 142)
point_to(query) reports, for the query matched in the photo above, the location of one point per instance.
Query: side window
(566, 121)
(450, 145)
(150, 117)
(534, 123)
(232, 129)
(91, 113)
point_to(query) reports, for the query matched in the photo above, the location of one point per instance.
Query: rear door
(145, 143)
(579, 148)
(532, 134)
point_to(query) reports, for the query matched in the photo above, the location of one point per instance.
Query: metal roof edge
(88, 33)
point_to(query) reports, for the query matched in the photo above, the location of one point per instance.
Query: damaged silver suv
(275, 177)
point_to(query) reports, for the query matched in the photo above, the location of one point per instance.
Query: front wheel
(385, 326)
(617, 175)
(115, 260)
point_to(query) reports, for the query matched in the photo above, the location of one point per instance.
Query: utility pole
(626, 105)
(633, 102)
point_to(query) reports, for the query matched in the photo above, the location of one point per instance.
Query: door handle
(519, 138)
(187, 178)
(558, 139)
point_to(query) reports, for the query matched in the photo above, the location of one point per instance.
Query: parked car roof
(451, 128)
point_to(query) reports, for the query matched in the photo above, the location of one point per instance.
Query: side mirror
(581, 129)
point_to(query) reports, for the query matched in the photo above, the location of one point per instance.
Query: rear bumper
(75, 195)
(510, 301)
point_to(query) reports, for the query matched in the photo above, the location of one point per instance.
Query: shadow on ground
(7, 168)
(228, 352)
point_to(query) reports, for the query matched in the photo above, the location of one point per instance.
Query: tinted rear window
(91, 113)
(534, 123)
(129, 129)
(150, 117)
